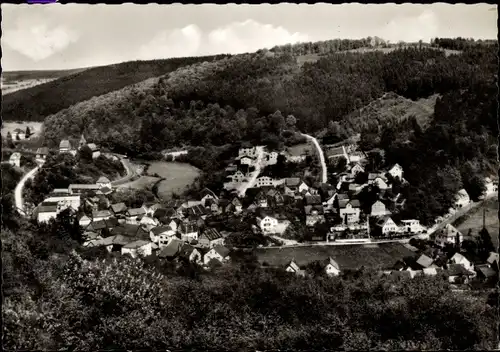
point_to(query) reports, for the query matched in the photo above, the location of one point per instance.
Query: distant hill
(35, 103)
(14, 81)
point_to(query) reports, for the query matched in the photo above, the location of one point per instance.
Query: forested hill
(35, 103)
(316, 94)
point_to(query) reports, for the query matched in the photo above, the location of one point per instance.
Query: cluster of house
(65, 146)
(457, 269)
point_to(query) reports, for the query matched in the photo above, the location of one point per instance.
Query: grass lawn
(377, 256)
(300, 149)
(474, 220)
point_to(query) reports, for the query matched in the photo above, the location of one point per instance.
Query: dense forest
(57, 295)
(24, 105)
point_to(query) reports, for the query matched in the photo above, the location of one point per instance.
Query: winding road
(324, 177)
(129, 168)
(18, 192)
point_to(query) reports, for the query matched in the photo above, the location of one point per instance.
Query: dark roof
(211, 234)
(486, 271)
(101, 213)
(171, 249)
(130, 230)
(308, 209)
(47, 207)
(223, 251)
(111, 222)
(456, 270)
(195, 210)
(313, 200)
(97, 225)
(186, 250)
(160, 229)
(119, 207)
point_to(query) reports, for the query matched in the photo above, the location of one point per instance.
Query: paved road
(321, 157)
(18, 192)
(129, 168)
(258, 167)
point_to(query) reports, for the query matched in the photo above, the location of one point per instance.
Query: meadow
(474, 220)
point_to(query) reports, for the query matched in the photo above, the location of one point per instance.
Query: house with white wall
(388, 226)
(47, 211)
(448, 235)
(396, 171)
(349, 211)
(332, 268)
(462, 199)
(219, 253)
(15, 159)
(138, 248)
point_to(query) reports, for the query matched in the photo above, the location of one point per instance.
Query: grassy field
(35, 127)
(379, 256)
(176, 176)
(474, 220)
(300, 149)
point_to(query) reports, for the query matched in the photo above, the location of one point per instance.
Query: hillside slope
(17, 80)
(35, 103)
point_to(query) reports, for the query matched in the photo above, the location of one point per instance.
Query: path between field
(18, 192)
(258, 167)
(321, 157)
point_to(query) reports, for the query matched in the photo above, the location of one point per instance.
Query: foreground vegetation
(55, 298)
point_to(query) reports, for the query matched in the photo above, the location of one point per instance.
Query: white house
(103, 181)
(18, 134)
(161, 235)
(448, 235)
(295, 269)
(94, 149)
(396, 171)
(411, 226)
(357, 168)
(388, 226)
(188, 231)
(349, 211)
(47, 211)
(15, 159)
(379, 209)
(84, 221)
(191, 253)
(328, 204)
(148, 222)
(210, 238)
(207, 194)
(460, 259)
(219, 253)
(65, 146)
(380, 183)
(41, 155)
(238, 177)
(138, 248)
(332, 268)
(462, 199)
(271, 158)
(268, 224)
(246, 160)
(251, 152)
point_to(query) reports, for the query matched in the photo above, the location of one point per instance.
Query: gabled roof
(65, 144)
(486, 271)
(111, 222)
(424, 261)
(136, 244)
(308, 209)
(97, 225)
(205, 191)
(171, 249)
(457, 269)
(354, 203)
(313, 200)
(103, 179)
(161, 213)
(458, 258)
(136, 211)
(333, 263)
(161, 229)
(130, 230)
(294, 266)
(186, 250)
(222, 251)
(211, 234)
(119, 208)
(101, 213)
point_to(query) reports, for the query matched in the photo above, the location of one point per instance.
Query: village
(332, 215)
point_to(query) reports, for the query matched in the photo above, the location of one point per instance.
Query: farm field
(35, 127)
(378, 256)
(17, 80)
(177, 177)
(474, 220)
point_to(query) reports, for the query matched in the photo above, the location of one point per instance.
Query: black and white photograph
(235, 177)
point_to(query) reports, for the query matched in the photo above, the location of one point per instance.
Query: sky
(57, 36)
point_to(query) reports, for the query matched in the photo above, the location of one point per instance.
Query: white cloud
(176, 43)
(249, 36)
(412, 29)
(39, 42)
